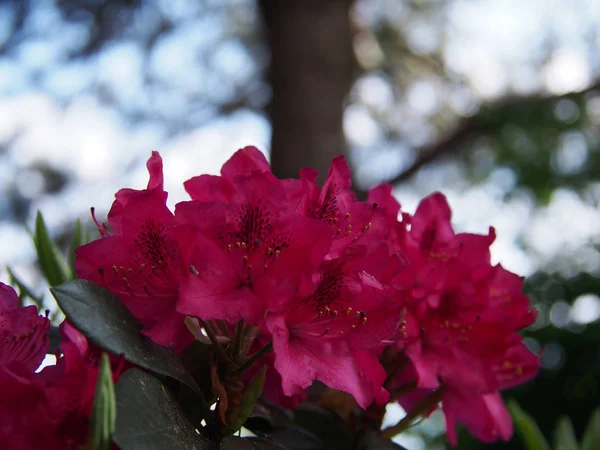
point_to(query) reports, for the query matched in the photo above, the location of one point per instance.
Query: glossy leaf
(106, 322)
(238, 443)
(273, 422)
(149, 418)
(528, 430)
(326, 425)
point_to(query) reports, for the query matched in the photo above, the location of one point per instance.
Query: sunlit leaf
(591, 436)
(53, 264)
(528, 430)
(564, 435)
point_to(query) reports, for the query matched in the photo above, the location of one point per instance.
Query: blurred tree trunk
(311, 72)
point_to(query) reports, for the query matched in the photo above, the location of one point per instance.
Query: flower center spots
(329, 209)
(345, 225)
(322, 314)
(253, 224)
(25, 347)
(154, 245)
(328, 289)
(448, 331)
(428, 239)
(154, 265)
(256, 243)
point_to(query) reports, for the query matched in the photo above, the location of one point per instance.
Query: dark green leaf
(236, 443)
(249, 398)
(374, 441)
(197, 359)
(253, 443)
(564, 435)
(24, 291)
(591, 436)
(106, 322)
(149, 418)
(53, 265)
(54, 339)
(104, 412)
(530, 434)
(292, 436)
(326, 425)
(269, 415)
(273, 422)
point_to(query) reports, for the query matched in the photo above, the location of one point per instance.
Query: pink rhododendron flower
(243, 241)
(463, 316)
(485, 416)
(69, 388)
(351, 222)
(272, 388)
(23, 333)
(141, 261)
(50, 409)
(332, 283)
(330, 330)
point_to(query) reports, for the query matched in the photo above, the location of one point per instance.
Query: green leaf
(530, 434)
(253, 443)
(326, 425)
(25, 291)
(106, 322)
(149, 418)
(78, 240)
(591, 436)
(272, 421)
(53, 264)
(104, 413)
(564, 435)
(249, 398)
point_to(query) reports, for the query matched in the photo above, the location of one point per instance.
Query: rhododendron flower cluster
(302, 278)
(51, 408)
(462, 317)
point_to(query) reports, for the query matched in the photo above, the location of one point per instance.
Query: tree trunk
(312, 69)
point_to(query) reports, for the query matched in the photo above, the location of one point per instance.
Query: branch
(473, 125)
(448, 144)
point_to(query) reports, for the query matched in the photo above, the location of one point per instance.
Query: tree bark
(311, 72)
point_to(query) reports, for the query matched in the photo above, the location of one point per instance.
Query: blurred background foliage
(497, 104)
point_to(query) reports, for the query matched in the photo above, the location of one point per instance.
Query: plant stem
(419, 409)
(222, 325)
(215, 342)
(256, 356)
(237, 342)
